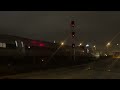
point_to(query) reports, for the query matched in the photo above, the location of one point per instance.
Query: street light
(87, 45)
(94, 47)
(62, 43)
(80, 44)
(108, 44)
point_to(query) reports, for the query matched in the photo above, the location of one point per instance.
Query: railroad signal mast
(73, 34)
(73, 37)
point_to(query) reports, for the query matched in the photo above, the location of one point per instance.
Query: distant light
(42, 60)
(108, 44)
(28, 46)
(80, 44)
(105, 54)
(117, 44)
(87, 45)
(62, 43)
(54, 41)
(41, 44)
(94, 46)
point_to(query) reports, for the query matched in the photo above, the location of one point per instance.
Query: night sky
(96, 27)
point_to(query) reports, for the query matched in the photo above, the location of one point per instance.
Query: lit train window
(2, 45)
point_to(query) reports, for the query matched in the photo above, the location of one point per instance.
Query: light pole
(108, 45)
(80, 44)
(94, 47)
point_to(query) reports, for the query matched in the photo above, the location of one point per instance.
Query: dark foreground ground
(103, 68)
(10, 65)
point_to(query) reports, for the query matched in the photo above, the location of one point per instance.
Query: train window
(2, 45)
